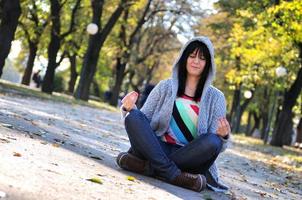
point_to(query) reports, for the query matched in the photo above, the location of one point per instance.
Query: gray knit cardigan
(159, 106)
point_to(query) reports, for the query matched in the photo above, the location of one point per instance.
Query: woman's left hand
(223, 127)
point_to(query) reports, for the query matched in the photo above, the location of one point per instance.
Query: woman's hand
(129, 100)
(224, 128)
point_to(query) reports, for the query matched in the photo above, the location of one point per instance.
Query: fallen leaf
(17, 154)
(66, 135)
(96, 157)
(130, 178)
(7, 125)
(59, 141)
(261, 193)
(2, 140)
(55, 145)
(11, 138)
(101, 175)
(37, 134)
(72, 144)
(95, 180)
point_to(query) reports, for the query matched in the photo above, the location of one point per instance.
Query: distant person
(37, 78)
(181, 129)
(107, 95)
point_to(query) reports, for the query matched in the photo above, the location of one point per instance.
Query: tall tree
(286, 21)
(126, 41)
(95, 44)
(129, 36)
(56, 38)
(10, 11)
(33, 22)
(153, 44)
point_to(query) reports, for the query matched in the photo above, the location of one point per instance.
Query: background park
(65, 65)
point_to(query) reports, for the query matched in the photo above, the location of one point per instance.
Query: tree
(286, 20)
(33, 22)
(95, 44)
(152, 49)
(126, 41)
(129, 35)
(56, 38)
(10, 11)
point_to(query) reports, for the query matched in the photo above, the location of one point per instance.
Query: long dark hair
(182, 69)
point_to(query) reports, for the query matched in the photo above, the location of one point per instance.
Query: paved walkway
(49, 150)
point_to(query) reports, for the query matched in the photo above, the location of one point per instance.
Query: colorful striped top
(183, 124)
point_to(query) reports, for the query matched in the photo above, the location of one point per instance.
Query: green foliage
(286, 20)
(252, 39)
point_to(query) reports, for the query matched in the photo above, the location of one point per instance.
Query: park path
(49, 150)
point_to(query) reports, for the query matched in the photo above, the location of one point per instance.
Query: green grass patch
(22, 90)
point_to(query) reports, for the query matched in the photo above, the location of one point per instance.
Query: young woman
(179, 132)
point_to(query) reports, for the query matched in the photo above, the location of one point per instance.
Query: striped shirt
(183, 124)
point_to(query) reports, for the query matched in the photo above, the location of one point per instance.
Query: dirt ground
(49, 150)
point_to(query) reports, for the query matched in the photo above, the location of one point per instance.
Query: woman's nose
(196, 59)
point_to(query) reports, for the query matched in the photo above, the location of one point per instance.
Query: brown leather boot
(196, 182)
(132, 163)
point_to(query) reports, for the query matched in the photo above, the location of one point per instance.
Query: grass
(288, 157)
(22, 90)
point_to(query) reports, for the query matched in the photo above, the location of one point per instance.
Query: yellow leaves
(131, 178)
(95, 180)
(286, 19)
(233, 77)
(245, 13)
(138, 5)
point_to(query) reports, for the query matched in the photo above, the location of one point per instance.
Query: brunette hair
(182, 69)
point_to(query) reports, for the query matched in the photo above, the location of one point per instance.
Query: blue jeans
(168, 160)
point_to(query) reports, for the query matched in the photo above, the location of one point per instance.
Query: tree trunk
(30, 63)
(96, 88)
(53, 47)
(265, 113)
(95, 44)
(248, 126)
(236, 97)
(55, 41)
(10, 12)
(239, 112)
(73, 73)
(299, 131)
(235, 106)
(264, 124)
(119, 77)
(271, 114)
(283, 132)
(256, 123)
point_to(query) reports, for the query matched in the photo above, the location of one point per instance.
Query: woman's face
(196, 62)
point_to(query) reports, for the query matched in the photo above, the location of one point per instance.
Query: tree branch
(64, 54)
(72, 20)
(140, 23)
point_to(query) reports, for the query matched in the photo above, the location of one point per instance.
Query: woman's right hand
(129, 100)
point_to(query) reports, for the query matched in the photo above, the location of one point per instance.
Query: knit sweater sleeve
(152, 101)
(219, 112)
